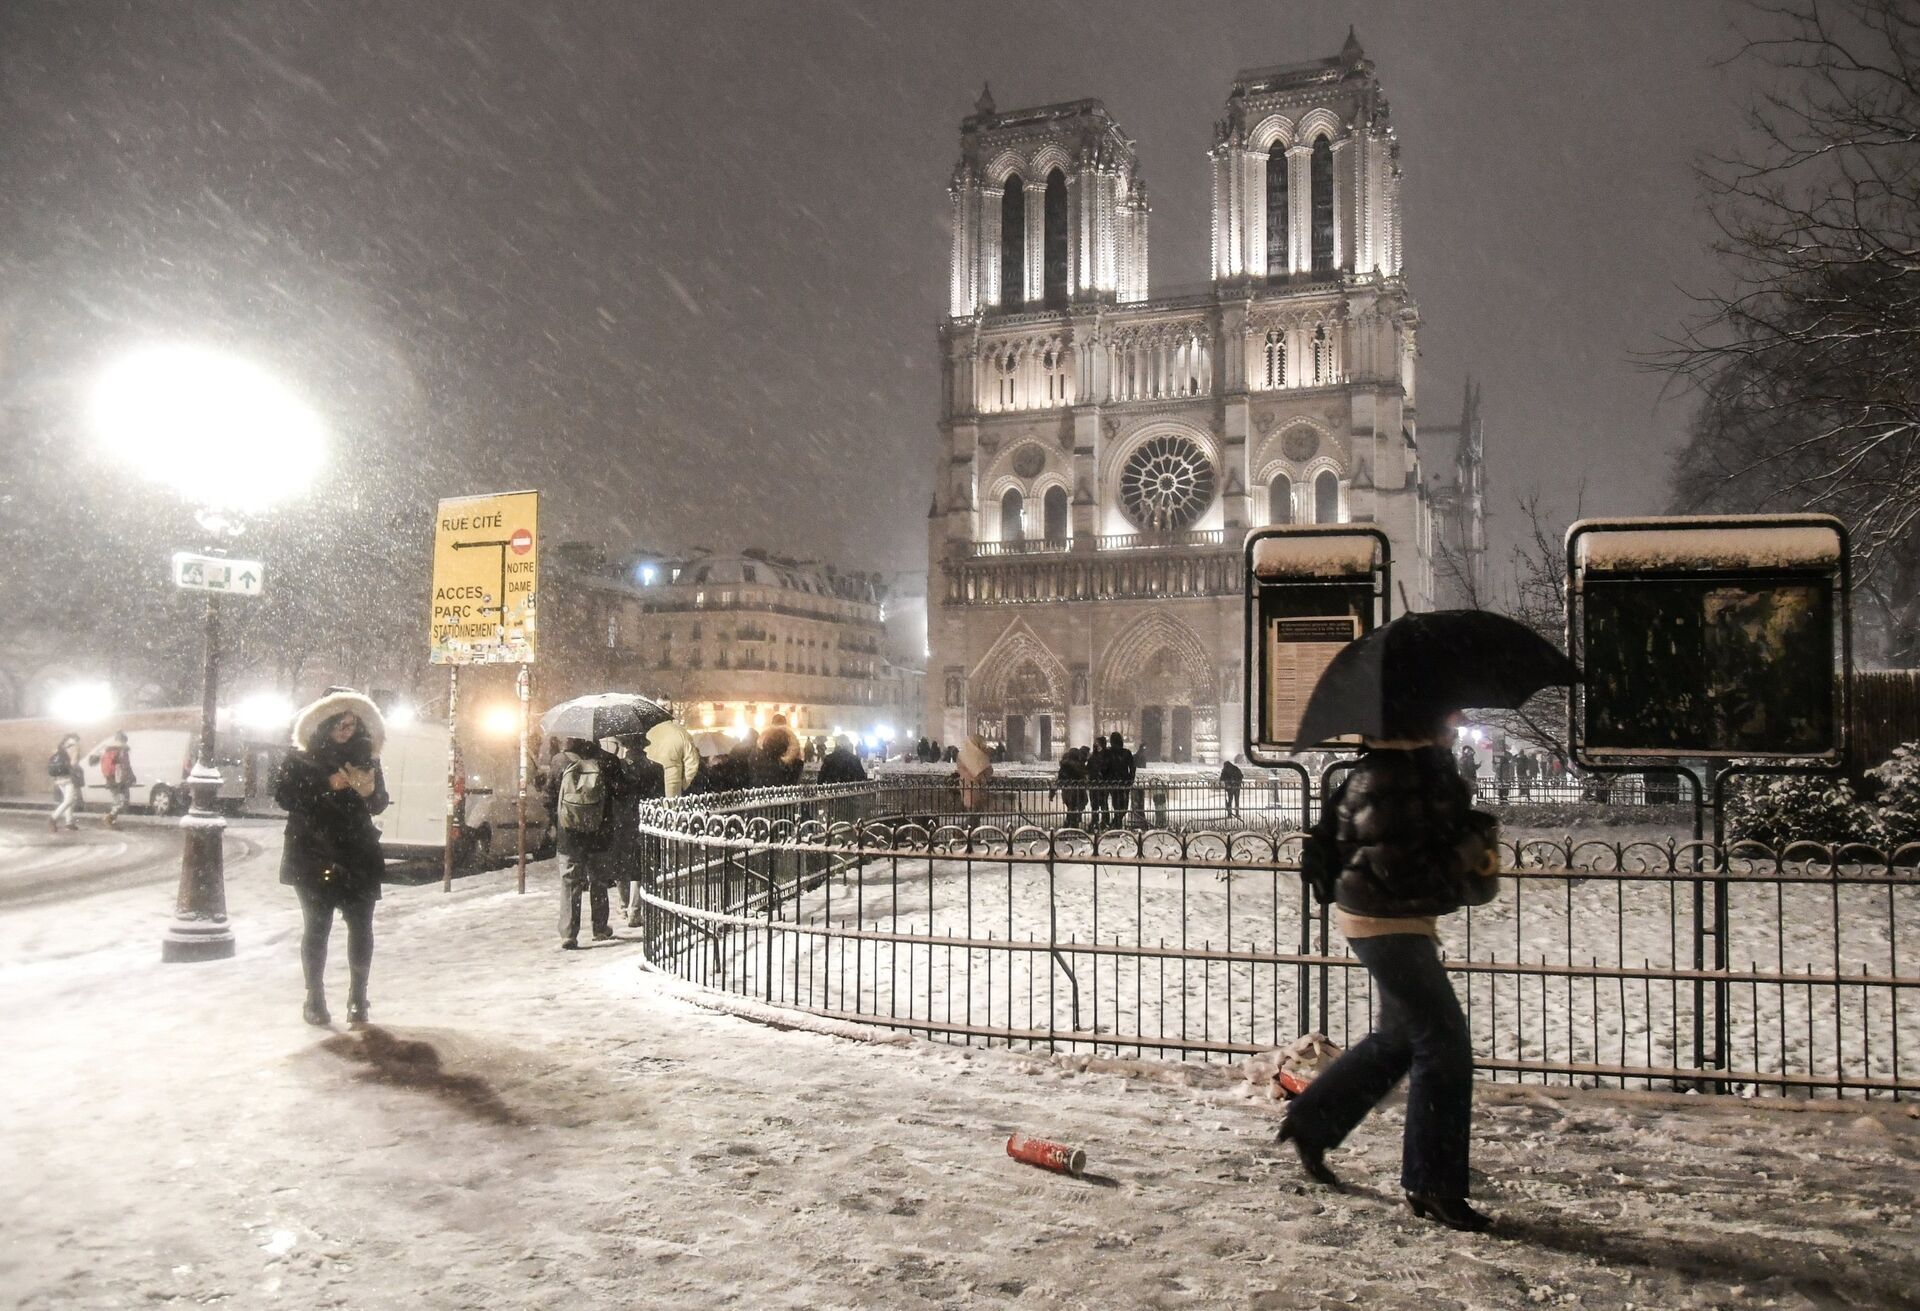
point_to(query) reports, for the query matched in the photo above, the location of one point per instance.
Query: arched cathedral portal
(1157, 687)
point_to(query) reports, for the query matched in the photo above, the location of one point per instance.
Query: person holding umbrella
(584, 785)
(1398, 844)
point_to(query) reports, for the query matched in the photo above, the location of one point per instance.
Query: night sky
(680, 265)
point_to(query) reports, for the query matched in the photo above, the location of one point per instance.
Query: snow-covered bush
(1798, 808)
(1898, 799)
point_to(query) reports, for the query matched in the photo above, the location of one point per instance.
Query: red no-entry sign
(521, 541)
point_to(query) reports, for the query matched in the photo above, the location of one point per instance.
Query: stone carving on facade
(1079, 684)
(1029, 460)
(956, 686)
(1300, 443)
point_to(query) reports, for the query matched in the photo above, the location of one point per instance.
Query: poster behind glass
(1709, 667)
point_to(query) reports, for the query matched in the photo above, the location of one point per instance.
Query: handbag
(1476, 860)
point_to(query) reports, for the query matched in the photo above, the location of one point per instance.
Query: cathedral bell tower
(1048, 208)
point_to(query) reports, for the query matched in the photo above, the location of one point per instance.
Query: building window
(1320, 188)
(749, 574)
(1322, 356)
(1280, 500)
(1012, 516)
(1053, 511)
(1277, 211)
(1054, 239)
(1007, 366)
(1276, 357)
(1326, 498)
(1013, 243)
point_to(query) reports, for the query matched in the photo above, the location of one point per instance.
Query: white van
(161, 759)
(414, 824)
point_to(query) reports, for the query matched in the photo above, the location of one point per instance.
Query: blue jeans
(1420, 1031)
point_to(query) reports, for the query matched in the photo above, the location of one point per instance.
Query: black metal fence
(1638, 964)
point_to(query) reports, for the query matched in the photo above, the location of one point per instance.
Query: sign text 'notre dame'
(486, 572)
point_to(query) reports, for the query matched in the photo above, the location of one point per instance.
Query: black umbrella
(1399, 681)
(603, 714)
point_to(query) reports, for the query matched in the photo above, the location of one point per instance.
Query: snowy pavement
(527, 1127)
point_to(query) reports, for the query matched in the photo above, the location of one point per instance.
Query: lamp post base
(196, 940)
(200, 930)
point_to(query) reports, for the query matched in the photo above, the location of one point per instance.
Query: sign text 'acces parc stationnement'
(485, 580)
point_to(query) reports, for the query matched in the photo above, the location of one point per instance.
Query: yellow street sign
(486, 571)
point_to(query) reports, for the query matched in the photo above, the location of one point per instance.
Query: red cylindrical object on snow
(1048, 1156)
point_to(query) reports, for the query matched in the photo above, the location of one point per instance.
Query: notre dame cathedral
(1104, 449)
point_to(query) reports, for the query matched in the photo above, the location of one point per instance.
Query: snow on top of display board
(1314, 555)
(1680, 544)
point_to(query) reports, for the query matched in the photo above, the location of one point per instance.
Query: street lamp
(233, 441)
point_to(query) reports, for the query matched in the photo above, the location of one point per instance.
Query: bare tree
(1534, 591)
(1808, 364)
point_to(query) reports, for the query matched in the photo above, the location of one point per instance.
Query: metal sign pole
(524, 685)
(200, 930)
(453, 776)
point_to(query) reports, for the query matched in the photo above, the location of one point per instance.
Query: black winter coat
(1072, 779)
(1389, 836)
(842, 766)
(331, 844)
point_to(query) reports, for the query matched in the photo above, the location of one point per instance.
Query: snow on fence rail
(1661, 964)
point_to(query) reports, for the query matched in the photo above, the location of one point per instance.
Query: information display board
(1311, 590)
(1709, 638)
(486, 573)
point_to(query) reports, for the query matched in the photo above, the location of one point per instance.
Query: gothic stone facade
(1104, 450)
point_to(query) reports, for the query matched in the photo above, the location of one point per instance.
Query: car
(162, 758)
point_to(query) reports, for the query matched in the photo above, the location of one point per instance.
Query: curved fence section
(1662, 964)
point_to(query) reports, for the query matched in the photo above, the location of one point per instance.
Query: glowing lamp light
(82, 703)
(401, 715)
(264, 712)
(501, 721)
(219, 430)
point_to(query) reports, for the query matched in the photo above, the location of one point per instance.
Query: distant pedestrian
(1230, 781)
(116, 771)
(1502, 772)
(1072, 782)
(1525, 767)
(640, 779)
(331, 786)
(671, 747)
(68, 776)
(1100, 787)
(1160, 794)
(1127, 803)
(581, 784)
(776, 760)
(974, 764)
(842, 765)
(1397, 845)
(1470, 767)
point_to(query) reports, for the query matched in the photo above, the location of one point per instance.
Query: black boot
(315, 1010)
(1453, 1212)
(1313, 1158)
(357, 1012)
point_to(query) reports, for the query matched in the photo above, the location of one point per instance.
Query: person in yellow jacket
(671, 747)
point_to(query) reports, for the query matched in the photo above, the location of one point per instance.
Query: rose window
(1166, 484)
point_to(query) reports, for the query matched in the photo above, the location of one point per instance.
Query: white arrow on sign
(216, 573)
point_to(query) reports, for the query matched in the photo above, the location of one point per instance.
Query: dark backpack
(58, 766)
(583, 797)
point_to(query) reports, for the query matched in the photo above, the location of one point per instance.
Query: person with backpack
(68, 775)
(1398, 844)
(1072, 783)
(116, 771)
(581, 783)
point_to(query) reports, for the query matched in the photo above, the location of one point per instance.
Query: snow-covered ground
(1136, 998)
(527, 1127)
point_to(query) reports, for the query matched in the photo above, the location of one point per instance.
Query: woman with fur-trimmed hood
(331, 787)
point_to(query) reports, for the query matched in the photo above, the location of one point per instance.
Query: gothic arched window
(1276, 357)
(1013, 516)
(1054, 239)
(1320, 189)
(1053, 512)
(1322, 355)
(1280, 499)
(1326, 498)
(1013, 243)
(1008, 364)
(1277, 211)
